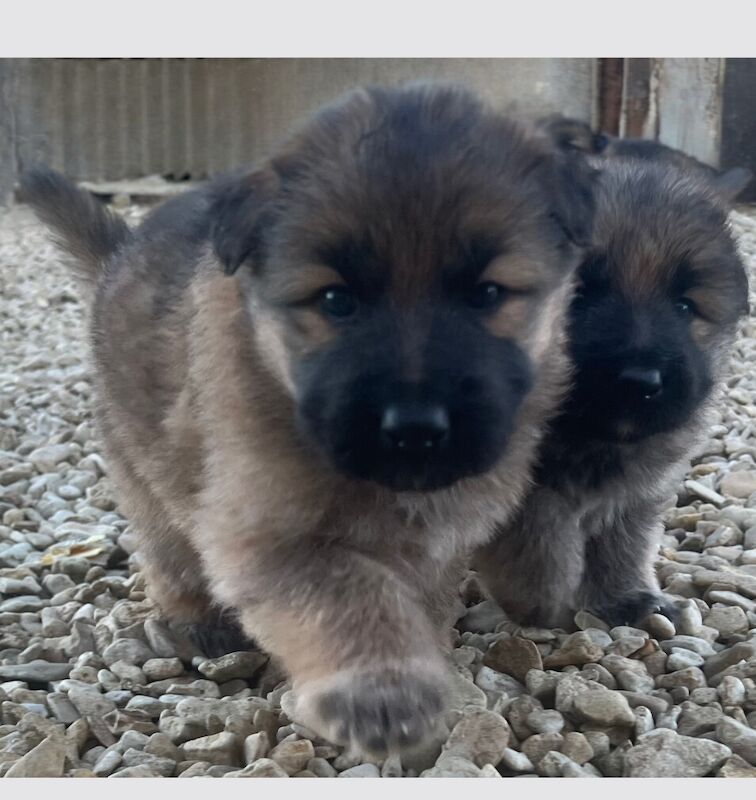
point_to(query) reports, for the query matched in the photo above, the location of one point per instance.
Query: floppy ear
(571, 184)
(729, 184)
(601, 141)
(568, 133)
(240, 215)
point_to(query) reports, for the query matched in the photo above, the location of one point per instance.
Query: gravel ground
(93, 682)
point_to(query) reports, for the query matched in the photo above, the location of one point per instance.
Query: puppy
(322, 382)
(575, 134)
(658, 299)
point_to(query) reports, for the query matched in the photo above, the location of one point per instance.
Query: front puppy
(656, 309)
(316, 441)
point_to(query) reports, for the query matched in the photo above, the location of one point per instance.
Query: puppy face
(403, 260)
(657, 298)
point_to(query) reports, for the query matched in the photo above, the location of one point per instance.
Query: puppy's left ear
(570, 182)
(240, 215)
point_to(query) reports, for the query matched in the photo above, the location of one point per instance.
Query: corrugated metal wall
(100, 119)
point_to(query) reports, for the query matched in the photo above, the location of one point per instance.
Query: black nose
(640, 381)
(415, 427)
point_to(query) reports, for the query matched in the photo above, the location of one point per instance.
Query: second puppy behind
(574, 134)
(655, 313)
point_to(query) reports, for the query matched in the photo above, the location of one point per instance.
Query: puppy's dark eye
(684, 307)
(486, 295)
(338, 302)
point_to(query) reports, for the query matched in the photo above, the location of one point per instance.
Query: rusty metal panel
(676, 101)
(610, 94)
(107, 119)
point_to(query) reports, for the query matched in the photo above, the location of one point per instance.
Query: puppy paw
(219, 635)
(375, 712)
(634, 607)
(554, 615)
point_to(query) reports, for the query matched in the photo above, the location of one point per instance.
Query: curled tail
(82, 226)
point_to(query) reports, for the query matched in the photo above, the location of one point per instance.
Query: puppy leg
(219, 633)
(173, 569)
(619, 584)
(366, 663)
(176, 582)
(441, 599)
(532, 569)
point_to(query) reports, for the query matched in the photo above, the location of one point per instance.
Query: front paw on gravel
(380, 713)
(632, 609)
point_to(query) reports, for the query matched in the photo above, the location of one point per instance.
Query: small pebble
(361, 771)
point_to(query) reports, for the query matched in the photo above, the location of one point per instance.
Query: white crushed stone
(93, 683)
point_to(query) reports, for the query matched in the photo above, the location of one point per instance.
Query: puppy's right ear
(240, 215)
(571, 184)
(570, 134)
(729, 184)
(600, 142)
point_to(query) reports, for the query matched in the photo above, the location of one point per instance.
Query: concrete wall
(99, 119)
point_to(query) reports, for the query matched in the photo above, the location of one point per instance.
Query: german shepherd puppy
(322, 382)
(576, 134)
(655, 312)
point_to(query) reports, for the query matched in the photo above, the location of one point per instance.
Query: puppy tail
(81, 225)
